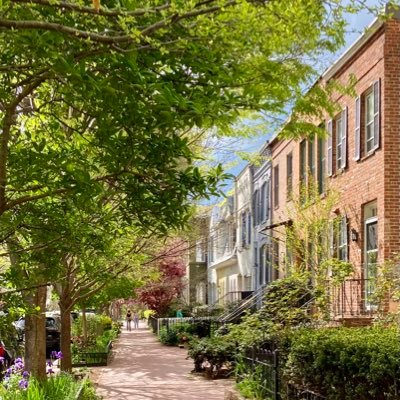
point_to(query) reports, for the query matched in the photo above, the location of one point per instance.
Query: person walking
(135, 320)
(128, 320)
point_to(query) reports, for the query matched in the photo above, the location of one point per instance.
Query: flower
(2, 360)
(23, 384)
(25, 374)
(49, 363)
(59, 355)
(50, 371)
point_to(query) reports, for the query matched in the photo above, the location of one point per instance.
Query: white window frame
(339, 141)
(369, 273)
(369, 123)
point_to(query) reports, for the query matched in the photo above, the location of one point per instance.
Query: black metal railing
(262, 365)
(205, 324)
(353, 298)
(252, 300)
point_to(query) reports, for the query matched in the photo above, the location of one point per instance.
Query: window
(311, 159)
(274, 269)
(303, 160)
(248, 228)
(321, 165)
(200, 254)
(256, 197)
(337, 143)
(338, 134)
(370, 251)
(369, 121)
(263, 213)
(261, 270)
(211, 249)
(267, 200)
(339, 238)
(289, 176)
(244, 230)
(276, 186)
(367, 124)
(342, 253)
(264, 272)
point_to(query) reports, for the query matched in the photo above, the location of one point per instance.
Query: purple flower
(23, 384)
(53, 354)
(59, 355)
(49, 363)
(50, 371)
(8, 372)
(25, 374)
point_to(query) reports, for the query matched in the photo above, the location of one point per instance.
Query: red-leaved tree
(159, 295)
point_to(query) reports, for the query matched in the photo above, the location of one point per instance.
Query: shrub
(169, 337)
(178, 334)
(346, 363)
(212, 355)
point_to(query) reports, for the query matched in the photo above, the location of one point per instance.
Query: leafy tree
(160, 294)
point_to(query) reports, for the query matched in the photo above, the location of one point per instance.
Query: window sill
(369, 155)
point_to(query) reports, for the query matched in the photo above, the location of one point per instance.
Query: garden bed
(93, 359)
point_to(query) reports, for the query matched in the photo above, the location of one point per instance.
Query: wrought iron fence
(262, 365)
(158, 323)
(353, 298)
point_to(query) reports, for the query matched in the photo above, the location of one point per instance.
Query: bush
(169, 337)
(179, 333)
(346, 363)
(213, 355)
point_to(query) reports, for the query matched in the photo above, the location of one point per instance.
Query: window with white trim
(338, 134)
(369, 121)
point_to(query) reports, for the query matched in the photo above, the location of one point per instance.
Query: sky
(356, 26)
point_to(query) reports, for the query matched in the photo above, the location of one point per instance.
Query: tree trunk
(65, 340)
(84, 325)
(35, 335)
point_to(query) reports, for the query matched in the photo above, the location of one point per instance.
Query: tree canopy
(106, 99)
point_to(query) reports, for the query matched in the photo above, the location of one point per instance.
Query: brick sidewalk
(143, 369)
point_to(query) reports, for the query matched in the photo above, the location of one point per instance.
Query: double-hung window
(369, 121)
(339, 142)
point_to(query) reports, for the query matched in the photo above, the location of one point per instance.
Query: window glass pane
(369, 107)
(372, 236)
(338, 142)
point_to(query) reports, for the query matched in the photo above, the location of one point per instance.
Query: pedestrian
(136, 320)
(179, 313)
(128, 320)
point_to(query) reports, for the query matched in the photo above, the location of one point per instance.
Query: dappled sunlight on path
(143, 369)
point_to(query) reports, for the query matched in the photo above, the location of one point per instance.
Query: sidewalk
(143, 369)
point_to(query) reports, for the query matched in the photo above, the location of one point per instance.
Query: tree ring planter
(94, 359)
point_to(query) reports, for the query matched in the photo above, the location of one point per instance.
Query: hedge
(345, 363)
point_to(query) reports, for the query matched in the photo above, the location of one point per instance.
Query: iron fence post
(277, 394)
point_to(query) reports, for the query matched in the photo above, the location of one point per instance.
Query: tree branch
(66, 6)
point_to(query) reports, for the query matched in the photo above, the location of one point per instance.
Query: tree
(160, 294)
(124, 84)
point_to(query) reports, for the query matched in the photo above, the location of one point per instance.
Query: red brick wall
(376, 176)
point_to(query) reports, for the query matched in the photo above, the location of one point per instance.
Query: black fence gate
(261, 364)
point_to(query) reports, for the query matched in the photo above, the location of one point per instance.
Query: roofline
(372, 28)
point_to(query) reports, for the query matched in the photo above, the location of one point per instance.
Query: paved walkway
(143, 369)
